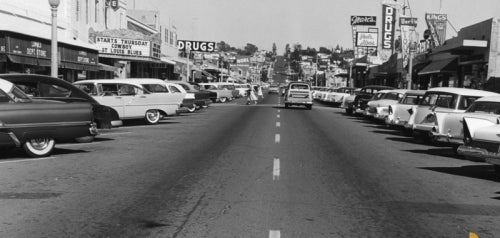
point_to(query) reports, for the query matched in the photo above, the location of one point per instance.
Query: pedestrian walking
(259, 92)
(251, 96)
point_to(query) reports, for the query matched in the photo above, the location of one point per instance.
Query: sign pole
(187, 66)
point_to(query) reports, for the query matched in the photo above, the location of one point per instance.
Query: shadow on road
(485, 172)
(443, 152)
(19, 153)
(390, 132)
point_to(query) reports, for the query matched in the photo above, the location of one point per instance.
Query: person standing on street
(259, 92)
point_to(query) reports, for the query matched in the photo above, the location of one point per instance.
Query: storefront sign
(437, 27)
(125, 47)
(203, 46)
(366, 39)
(408, 21)
(31, 48)
(114, 4)
(363, 20)
(388, 18)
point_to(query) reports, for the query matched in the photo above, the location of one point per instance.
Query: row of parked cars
(36, 111)
(466, 119)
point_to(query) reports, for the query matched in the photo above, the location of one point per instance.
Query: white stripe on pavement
(278, 124)
(116, 133)
(279, 110)
(276, 169)
(27, 160)
(278, 116)
(277, 138)
(274, 234)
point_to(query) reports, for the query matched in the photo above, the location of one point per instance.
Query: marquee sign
(125, 47)
(388, 19)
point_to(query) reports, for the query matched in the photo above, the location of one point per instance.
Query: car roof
(489, 99)
(378, 86)
(397, 91)
(123, 81)
(463, 91)
(415, 92)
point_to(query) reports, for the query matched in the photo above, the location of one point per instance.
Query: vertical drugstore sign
(388, 26)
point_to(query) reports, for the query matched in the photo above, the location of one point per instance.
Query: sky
(311, 23)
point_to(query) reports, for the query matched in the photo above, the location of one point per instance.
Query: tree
(325, 50)
(250, 49)
(274, 49)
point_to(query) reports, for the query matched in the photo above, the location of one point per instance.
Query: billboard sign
(388, 28)
(363, 20)
(366, 39)
(125, 47)
(201, 46)
(436, 24)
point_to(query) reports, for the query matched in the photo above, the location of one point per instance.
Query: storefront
(21, 53)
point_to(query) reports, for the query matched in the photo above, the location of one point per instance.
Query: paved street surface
(249, 171)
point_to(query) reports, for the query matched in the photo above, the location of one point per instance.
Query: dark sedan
(45, 87)
(36, 125)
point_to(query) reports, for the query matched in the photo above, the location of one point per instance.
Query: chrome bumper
(489, 157)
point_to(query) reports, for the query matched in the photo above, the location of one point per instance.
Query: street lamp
(350, 81)
(53, 61)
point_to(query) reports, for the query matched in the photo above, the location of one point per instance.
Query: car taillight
(410, 111)
(389, 110)
(430, 118)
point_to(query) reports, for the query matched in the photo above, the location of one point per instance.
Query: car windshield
(485, 107)
(393, 96)
(410, 100)
(17, 95)
(440, 100)
(299, 86)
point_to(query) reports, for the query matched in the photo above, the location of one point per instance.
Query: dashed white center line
(276, 169)
(277, 138)
(279, 110)
(274, 234)
(278, 124)
(278, 116)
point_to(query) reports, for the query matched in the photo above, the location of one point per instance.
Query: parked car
(46, 87)
(225, 91)
(337, 96)
(480, 126)
(318, 92)
(440, 101)
(299, 94)
(131, 100)
(358, 105)
(349, 100)
(201, 98)
(242, 89)
(400, 112)
(160, 86)
(37, 124)
(379, 109)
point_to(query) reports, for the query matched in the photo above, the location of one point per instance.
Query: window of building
(171, 38)
(77, 10)
(166, 35)
(96, 11)
(87, 8)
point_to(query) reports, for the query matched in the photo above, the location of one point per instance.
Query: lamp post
(412, 48)
(53, 48)
(350, 82)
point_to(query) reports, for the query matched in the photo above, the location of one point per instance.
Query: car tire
(223, 99)
(309, 107)
(39, 147)
(192, 109)
(348, 111)
(286, 105)
(497, 168)
(152, 116)
(85, 139)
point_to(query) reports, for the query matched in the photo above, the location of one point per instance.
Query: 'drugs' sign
(388, 20)
(201, 46)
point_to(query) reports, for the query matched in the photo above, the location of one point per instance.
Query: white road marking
(27, 160)
(276, 169)
(278, 116)
(279, 110)
(274, 234)
(77, 144)
(278, 124)
(277, 138)
(116, 133)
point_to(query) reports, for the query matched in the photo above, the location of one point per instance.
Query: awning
(22, 59)
(168, 61)
(105, 67)
(440, 66)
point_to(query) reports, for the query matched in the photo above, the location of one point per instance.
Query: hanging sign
(388, 19)
(202, 46)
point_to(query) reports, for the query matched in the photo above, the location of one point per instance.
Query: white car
(131, 100)
(242, 88)
(338, 95)
(439, 102)
(379, 108)
(317, 92)
(481, 129)
(400, 113)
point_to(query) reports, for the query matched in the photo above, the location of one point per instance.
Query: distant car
(242, 89)
(37, 124)
(131, 100)
(299, 94)
(317, 92)
(225, 91)
(400, 112)
(379, 109)
(440, 101)
(201, 98)
(481, 127)
(274, 88)
(46, 87)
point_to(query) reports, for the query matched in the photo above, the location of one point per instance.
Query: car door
(136, 101)
(108, 95)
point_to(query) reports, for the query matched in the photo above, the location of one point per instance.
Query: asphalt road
(234, 170)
